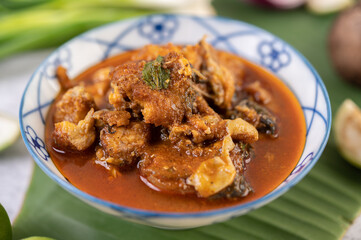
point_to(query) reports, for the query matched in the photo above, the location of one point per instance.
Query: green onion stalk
(27, 25)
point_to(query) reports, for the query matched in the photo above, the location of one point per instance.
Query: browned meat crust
(68, 135)
(159, 107)
(122, 146)
(111, 118)
(74, 105)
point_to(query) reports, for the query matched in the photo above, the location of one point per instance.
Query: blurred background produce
(33, 24)
(347, 129)
(345, 44)
(281, 4)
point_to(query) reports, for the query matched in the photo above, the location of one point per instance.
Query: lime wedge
(328, 6)
(5, 226)
(9, 131)
(347, 129)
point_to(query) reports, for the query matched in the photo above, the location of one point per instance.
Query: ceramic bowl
(237, 37)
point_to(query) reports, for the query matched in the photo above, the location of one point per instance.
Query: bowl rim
(207, 213)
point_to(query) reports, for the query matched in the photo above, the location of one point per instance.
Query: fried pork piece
(192, 53)
(210, 127)
(100, 85)
(68, 135)
(158, 106)
(164, 168)
(63, 78)
(73, 105)
(258, 93)
(123, 146)
(218, 82)
(111, 118)
(151, 51)
(204, 124)
(199, 129)
(219, 78)
(241, 130)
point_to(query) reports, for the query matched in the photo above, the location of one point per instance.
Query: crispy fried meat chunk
(151, 51)
(63, 78)
(258, 93)
(219, 79)
(111, 118)
(192, 53)
(215, 80)
(159, 107)
(169, 170)
(73, 105)
(199, 129)
(99, 86)
(205, 125)
(122, 146)
(68, 135)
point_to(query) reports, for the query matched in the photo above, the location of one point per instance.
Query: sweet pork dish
(175, 128)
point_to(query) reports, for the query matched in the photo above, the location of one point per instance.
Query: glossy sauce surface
(274, 158)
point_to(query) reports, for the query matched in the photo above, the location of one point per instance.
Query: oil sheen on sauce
(273, 162)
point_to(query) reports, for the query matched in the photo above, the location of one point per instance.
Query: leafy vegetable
(34, 24)
(19, 4)
(27, 25)
(155, 76)
(5, 226)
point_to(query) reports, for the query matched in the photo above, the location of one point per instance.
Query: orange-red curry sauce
(273, 162)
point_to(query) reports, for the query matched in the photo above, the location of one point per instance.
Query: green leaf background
(321, 206)
(5, 225)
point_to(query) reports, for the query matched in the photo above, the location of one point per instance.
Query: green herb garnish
(155, 76)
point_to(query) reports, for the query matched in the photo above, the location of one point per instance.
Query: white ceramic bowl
(237, 37)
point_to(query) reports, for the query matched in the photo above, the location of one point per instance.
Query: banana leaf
(5, 225)
(321, 206)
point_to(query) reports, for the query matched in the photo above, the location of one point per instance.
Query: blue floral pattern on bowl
(158, 28)
(36, 142)
(237, 37)
(273, 55)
